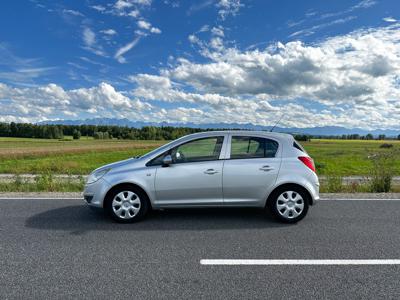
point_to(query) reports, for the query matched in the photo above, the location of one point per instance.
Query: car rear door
(250, 170)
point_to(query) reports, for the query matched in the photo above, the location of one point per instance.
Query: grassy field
(348, 157)
(40, 156)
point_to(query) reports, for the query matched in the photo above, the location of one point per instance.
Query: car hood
(118, 164)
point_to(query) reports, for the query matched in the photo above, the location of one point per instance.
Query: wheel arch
(290, 185)
(126, 184)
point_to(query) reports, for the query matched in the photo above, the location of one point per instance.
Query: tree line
(29, 130)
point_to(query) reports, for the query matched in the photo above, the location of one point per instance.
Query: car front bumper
(94, 193)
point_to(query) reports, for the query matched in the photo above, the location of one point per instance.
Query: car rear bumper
(314, 191)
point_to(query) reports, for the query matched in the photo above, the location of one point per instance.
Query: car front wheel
(289, 205)
(126, 204)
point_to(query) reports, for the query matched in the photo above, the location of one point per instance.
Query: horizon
(330, 131)
(312, 132)
(319, 64)
(115, 121)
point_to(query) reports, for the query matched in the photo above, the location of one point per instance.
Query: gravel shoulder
(41, 195)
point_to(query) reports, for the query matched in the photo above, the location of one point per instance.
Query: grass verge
(47, 183)
(43, 183)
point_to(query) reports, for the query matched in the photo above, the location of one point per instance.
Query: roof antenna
(273, 127)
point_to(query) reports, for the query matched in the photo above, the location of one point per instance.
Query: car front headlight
(97, 175)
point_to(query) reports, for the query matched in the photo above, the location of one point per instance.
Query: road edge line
(298, 262)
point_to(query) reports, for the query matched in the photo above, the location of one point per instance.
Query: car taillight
(308, 161)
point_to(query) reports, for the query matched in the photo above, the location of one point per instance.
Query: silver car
(210, 169)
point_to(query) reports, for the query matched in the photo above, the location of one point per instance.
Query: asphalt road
(61, 249)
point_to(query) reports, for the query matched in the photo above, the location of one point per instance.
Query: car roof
(242, 132)
(283, 138)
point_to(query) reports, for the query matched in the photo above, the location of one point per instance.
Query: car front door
(251, 169)
(195, 175)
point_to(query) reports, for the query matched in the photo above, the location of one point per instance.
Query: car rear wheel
(126, 204)
(289, 205)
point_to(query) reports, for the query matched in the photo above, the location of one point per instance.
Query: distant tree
(381, 137)
(98, 135)
(13, 129)
(56, 132)
(76, 134)
(369, 136)
(302, 137)
(398, 137)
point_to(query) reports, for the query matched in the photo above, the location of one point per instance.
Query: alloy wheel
(290, 204)
(126, 204)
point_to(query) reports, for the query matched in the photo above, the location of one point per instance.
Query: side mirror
(167, 160)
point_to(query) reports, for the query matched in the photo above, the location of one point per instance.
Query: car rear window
(299, 147)
(252, 147)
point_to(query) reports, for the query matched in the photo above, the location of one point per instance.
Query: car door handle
(210, 171)
(266, 168)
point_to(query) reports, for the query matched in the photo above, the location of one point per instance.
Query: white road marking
(42, 198)
(298, 262)
(73, 198)
(360, 199)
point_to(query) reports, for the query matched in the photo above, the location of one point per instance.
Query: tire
(126, 204)
(289, 204)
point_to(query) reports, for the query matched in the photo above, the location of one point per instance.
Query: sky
(313, 63)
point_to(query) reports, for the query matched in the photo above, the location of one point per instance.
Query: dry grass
(20, 148)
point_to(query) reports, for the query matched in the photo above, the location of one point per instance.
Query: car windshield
(152, 152)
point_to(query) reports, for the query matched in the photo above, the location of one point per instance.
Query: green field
(40, 156)
(348, 157)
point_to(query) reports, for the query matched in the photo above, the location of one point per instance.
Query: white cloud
(122, 4)
(52, 101)
(99, 8)
(142, 2)
(354, 63)
(144, 24)
(147, 26)
(354, 78)
(89, 37)
(21, 71)
(155, 30)
(365, 4)
(73, 12)
(133, 13)
(90, 44)
(25, 76)
(228, 7)
(121, 51)
(109, 31)
(193, 39)
(122, 8)
(389, 19)
(125, 4)
(218, 31)
(315, 28)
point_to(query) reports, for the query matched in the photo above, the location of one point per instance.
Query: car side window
(204, 149)
(243, 147)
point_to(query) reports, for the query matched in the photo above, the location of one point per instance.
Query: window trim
(251, 136)
(299, 147)
(224, 140)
